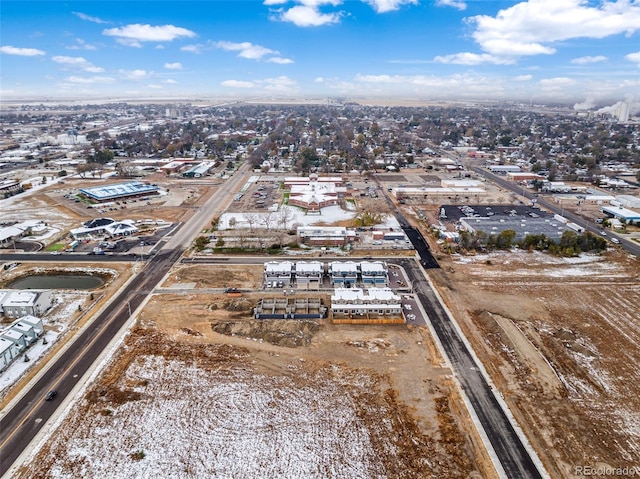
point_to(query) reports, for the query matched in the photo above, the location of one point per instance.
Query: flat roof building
(118, 191)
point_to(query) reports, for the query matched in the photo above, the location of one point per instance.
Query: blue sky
(572, 51)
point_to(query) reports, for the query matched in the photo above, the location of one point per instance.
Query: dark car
(50, 395)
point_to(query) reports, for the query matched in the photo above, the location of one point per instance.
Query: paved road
(20, 425)
(510, 451)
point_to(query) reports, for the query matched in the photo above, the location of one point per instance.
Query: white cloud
(23, 52)
(89, 18)
(155, 86)
(196, 48)
(307, 13)
(89, 80)
(555, 85)
(528, 28)
(523, 78)
(247, 50)
(81, 45)
(76, 62)
(633, 57)
(319, 80)
(280, 84)
(237, 84)
(459, 4)
(306, 16)
(280, 60)
(383, 6)
(466, 58)
(173, 66)
(134, 74)
(132, 35)
(589, 59)
(171, 81)
(251, 51)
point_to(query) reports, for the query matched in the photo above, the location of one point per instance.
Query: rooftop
(117, 190)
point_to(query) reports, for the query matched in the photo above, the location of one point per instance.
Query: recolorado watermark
(607, 471)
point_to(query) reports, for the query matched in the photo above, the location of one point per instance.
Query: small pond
(57, 281)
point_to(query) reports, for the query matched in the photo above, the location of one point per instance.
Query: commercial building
(199, 170)
(622, 214)
(119, 191)
(448, 189)
(325, 235)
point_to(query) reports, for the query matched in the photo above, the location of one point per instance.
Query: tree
(267, 221)
(201, 242)
(233, 222)
(103, 156)
(285, 215)
(252, 219)
(126, 169)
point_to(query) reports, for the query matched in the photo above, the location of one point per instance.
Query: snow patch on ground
(223, 423)
(297, 216)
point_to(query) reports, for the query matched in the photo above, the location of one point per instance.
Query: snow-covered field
(216, 415)
(536, 263)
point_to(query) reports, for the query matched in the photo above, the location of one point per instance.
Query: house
(343, 273)
(30, 326)
(7, 352)
(374, 273)
(309, 274)
(18, 337)
(376, 305)
(26, 302)
(278, 273)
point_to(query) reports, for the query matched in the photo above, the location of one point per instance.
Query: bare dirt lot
(559, 338)
(181, 400)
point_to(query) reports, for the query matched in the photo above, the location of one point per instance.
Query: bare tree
(285, 215)
(252, 219)
(267, 220)
(126, 169)
(233, 222)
